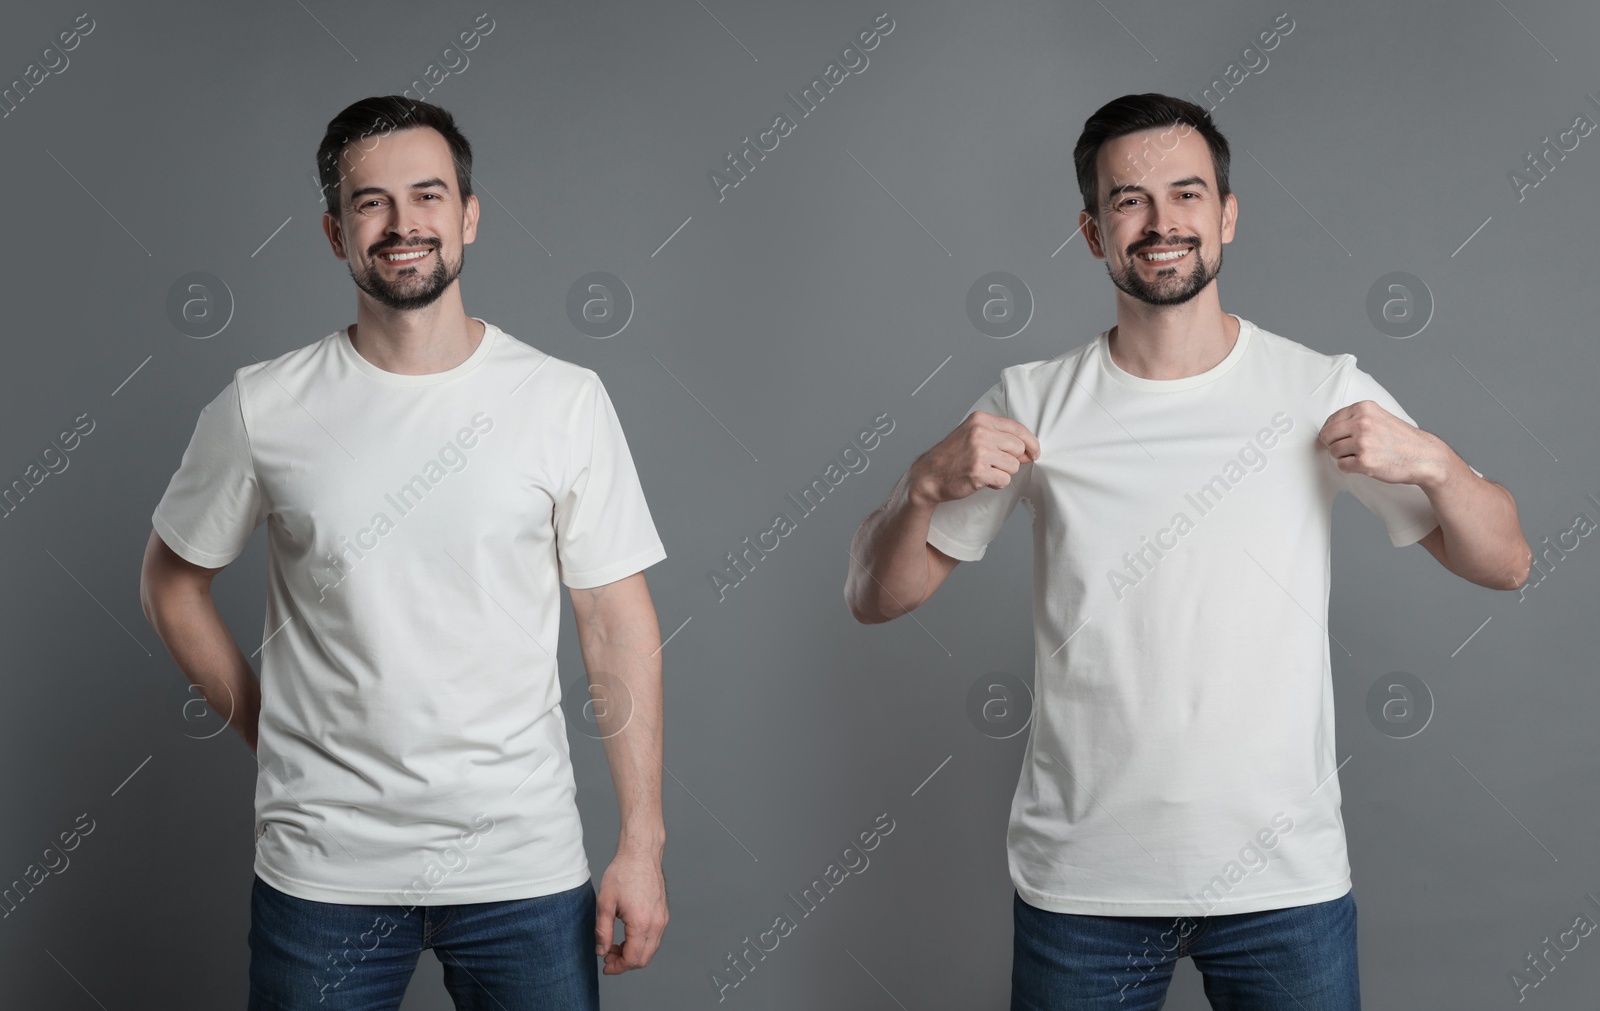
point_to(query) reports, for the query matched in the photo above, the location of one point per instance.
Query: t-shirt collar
(1102, 351)
(366, 368)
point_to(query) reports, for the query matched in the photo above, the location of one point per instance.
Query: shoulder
(1299, 367)
(525, 364)
(291, 368)
(546, 390)
(260, 382)
(1035, 382)
(1290, 351)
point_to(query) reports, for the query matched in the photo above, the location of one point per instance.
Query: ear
(469, 221)
(1230, 217)
(335, 233)
(1091, 234)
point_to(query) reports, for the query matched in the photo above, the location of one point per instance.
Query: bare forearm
(889, 557)
(1482, 535)
(205, 650)
(623, 657)
(635, 756)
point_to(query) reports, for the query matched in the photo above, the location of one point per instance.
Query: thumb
(605, 916)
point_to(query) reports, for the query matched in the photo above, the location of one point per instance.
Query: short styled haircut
(376, 117)
(1130, 114)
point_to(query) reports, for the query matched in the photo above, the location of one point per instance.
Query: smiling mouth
(1171, 257)
(411, 257)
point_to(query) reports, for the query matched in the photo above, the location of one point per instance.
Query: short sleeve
(603, 526)
(1404, 508)
(213, 502)
(962, 528)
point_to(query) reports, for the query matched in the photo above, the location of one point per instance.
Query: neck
(418, 342)
(1171, 341)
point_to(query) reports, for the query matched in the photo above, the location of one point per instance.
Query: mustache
(431, 244)
(1141, 247)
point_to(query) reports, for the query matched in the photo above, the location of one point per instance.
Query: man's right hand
(984, 451)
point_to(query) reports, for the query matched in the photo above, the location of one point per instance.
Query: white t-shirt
(411, 744)
(1181, 755)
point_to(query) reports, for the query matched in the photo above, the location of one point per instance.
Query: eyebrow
(426, 184)
(1191, 181)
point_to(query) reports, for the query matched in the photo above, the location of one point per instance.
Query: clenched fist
(984, 451)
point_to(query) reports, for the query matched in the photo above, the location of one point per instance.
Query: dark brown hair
(376, 117)
(1132, 113)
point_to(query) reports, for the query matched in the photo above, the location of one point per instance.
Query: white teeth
(398, 257)
(1158, 257)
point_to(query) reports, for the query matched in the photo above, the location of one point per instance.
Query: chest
(1238, 469)
(443, 475)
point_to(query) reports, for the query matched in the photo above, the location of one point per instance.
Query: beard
(1170, 286)
(409, 289)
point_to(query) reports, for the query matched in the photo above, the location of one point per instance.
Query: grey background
(1377, 139)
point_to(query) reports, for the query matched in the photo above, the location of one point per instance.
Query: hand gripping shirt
(1180, 759)
(412, 745)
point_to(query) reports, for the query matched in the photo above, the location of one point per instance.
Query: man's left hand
(634, 891)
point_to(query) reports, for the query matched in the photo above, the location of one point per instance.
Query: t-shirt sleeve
(603, 526)
(213, 502)
(962, 528)
(1403, 508)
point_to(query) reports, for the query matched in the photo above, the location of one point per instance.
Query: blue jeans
(1301, 958)
(517, 955)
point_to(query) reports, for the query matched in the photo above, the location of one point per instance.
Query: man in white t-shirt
(428, 482)
(1179, 792)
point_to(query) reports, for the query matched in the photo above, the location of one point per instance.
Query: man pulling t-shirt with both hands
(1180, 472)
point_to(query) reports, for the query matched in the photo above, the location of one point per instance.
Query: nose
(1163, 222)
(401, 224)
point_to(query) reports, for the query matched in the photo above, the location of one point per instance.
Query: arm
(1479, 537)
(176, 597)
(621, 645)
(893, 568)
